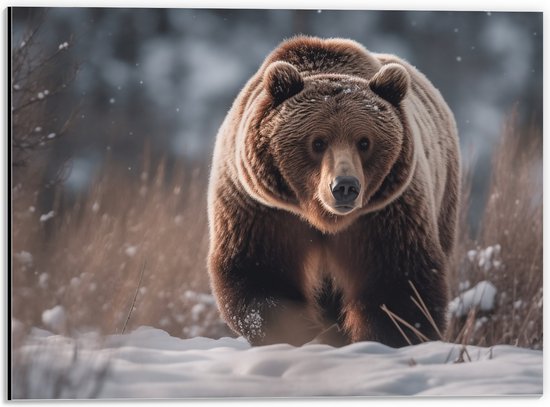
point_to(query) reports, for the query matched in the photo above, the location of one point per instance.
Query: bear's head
(328, 147)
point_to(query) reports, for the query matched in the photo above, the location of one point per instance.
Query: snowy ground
(148, 363)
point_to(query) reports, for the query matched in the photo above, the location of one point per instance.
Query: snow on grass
(486, 258)
(43, 279)
(23, 257)
(481, 296)
(148, 363)
(54, 318)
(47, 216)
(130, 251)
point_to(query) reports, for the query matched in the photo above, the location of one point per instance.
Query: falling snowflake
(47, 216)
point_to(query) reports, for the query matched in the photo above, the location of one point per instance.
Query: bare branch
(135, 296)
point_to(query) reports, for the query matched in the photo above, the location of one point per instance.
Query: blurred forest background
(114, 117)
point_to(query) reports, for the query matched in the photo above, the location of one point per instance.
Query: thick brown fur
(285, 263)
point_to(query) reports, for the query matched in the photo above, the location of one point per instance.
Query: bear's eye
(363, 144)
(319, 145)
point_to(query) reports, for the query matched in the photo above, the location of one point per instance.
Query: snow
(197, 310)
(148, 363)
(131, 251)
(190, 295)
(481, 296)
(43, 280)
(463, 285)
(480, 322)
(54, 318)
(47, 216)
(487, 258)
(23, 257)
(75, 282)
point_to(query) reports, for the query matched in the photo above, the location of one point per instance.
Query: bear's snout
(345, 190)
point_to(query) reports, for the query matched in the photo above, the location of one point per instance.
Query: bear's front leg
(399, 293)
(256, 276)
(390, 315)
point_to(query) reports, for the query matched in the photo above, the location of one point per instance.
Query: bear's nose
(345, 189)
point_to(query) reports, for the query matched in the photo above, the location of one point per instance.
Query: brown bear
(333, 198)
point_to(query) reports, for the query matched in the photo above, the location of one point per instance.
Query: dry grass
(90, 255)
(508, 248)
(88, 258)
(130, 251)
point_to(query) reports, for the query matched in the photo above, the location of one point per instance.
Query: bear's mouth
(343, 209)
(338, 208)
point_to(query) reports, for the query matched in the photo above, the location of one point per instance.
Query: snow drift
(148, 363)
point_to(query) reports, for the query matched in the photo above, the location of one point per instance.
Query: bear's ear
(391, 82)
(282, 81)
